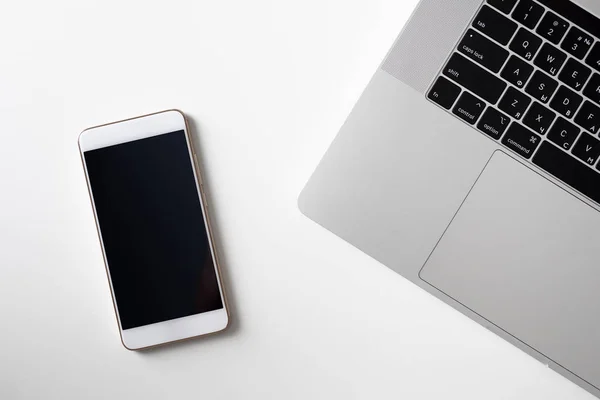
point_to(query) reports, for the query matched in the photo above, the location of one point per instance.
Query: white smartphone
(148, 200)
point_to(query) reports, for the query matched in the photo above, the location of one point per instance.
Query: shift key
(473, 77)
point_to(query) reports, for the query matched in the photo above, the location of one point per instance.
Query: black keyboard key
(514, 103)
(564, 167)
(528, 13)
(521, 140)
(525, 44)
(589, 117)
(495, 25)
(474, 78)
(517, 71)
(566, 102)
(575, 14)
(493, 123)
(564, 133)
(577, 43)
(552, 27)
(539, 118)
(550, 59)
(483, 51)
(444, 93)
(575, 74)
(541, 87)
(505, 6)
(469, 108)
(593, 60)
(592, 90)
(587, 149)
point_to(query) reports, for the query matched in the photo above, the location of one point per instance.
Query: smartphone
(151, 215)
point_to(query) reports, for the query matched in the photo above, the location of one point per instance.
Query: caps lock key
(483, 51)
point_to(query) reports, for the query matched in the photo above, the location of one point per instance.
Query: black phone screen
(152, 227)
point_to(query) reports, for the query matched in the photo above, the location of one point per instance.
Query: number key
(505, 6)
(593, 59)
(577, 42)
(552, 27)
(528, 13)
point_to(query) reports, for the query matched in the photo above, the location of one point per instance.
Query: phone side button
(197, 165)
(203, 196)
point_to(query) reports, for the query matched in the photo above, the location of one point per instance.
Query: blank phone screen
(152, 227)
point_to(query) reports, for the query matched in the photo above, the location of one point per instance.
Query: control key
(469, 108)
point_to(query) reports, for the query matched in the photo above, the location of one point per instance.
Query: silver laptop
(471, 166)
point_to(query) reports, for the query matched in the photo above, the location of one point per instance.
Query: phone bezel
(127, 131)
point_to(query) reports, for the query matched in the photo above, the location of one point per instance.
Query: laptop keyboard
(527, 74)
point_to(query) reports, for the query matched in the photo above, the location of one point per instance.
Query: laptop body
(470, 166)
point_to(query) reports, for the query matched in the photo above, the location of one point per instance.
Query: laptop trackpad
(525, 255)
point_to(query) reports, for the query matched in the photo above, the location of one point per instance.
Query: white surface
(127, 131)
(268, 84)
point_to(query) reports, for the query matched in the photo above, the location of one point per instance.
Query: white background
(267, 84)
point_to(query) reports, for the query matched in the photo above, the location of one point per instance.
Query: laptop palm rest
(525, 255)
